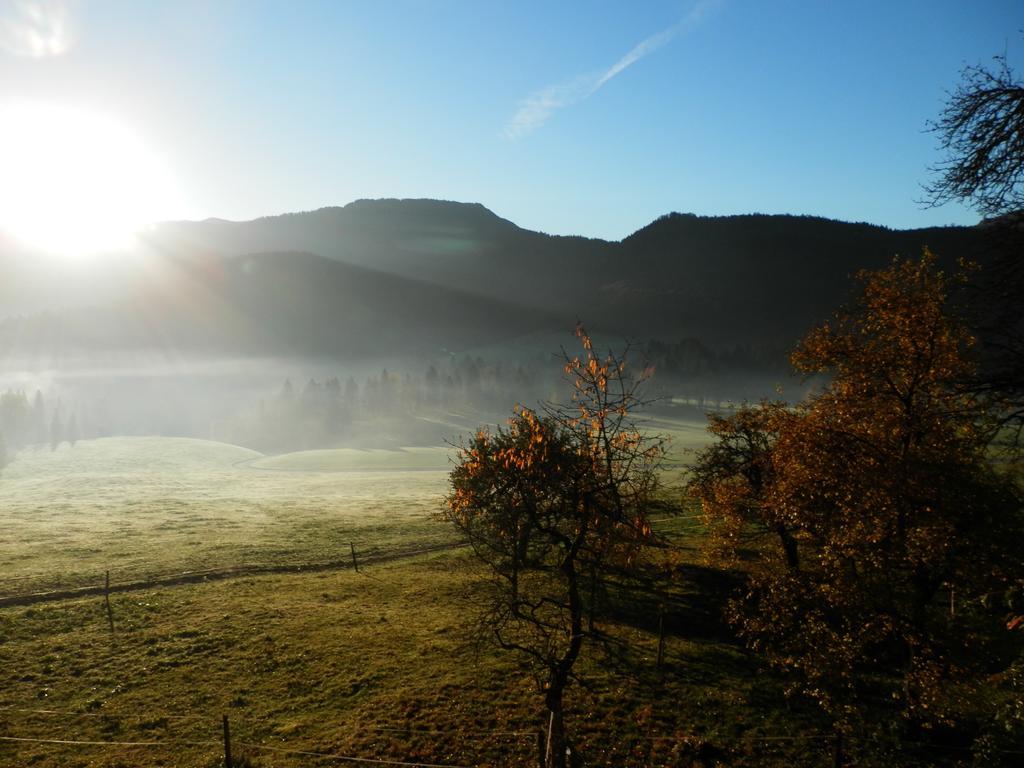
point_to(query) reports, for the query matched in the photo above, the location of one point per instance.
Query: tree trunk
(593, 599)
(555, 754)
(789, 547)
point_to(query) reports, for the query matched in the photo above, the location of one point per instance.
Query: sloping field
(683, 438)
(436, 458)
(146, 507)
(376, 666)
(380, 665)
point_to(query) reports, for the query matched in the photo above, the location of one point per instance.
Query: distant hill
(457, 245)
(390, 276)
(283, 304)
(758, 279)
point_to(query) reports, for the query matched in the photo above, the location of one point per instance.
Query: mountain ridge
(755, 279)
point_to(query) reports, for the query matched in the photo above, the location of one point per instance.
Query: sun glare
(76, 183)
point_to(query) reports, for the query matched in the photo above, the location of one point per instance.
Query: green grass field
(683, 439)
(380, 664)
(150, 507)
(147, 507)
(374, 665)
(435, 458)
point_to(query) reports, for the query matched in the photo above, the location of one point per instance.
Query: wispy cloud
(537, 108)
(35, 28)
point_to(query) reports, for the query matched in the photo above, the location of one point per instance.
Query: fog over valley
(199, 326)
(447, 384)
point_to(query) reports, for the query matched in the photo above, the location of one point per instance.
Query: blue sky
(571, 118)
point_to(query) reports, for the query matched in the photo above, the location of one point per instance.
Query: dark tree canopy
(870, 516)
(981, 130)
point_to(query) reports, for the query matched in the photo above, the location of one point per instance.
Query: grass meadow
(151, 507)
(323, 663)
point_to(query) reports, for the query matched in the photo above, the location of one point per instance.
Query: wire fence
(171, 741)
(821, 740)
(830, 742)
(216, 744)
(51, 588)
(48, 586)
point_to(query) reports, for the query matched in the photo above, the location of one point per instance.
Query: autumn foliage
(872, 515)
(547, 502)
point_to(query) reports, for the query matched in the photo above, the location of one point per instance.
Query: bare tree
(981, 130)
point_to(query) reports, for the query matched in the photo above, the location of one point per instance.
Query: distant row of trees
(25, 423)
(683, 360)
(322, 413)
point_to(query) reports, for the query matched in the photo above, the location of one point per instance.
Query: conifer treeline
(321, 414)
(25, 423)
(340, 409)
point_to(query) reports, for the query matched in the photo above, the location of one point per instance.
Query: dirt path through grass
(214, 574)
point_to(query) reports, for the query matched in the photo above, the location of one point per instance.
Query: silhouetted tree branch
(981, 131)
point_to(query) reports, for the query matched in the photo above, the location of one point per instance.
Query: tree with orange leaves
(868, 504)
(548, 500)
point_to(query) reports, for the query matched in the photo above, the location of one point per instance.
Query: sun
(77, 183)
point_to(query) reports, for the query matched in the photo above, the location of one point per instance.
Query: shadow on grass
(691, 605)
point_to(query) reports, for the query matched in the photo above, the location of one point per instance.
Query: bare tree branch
(981, 130)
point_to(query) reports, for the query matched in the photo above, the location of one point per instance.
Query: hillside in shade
(282, 304)
(398, 276)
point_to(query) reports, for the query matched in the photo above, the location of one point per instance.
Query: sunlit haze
(584, 119)
(447, 383)
(76, 182)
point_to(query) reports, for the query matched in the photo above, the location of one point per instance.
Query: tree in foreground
(876, 517)
(547, 502)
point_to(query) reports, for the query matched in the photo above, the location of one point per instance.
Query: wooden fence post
(227, 743)
(661, 638)
(106, 600)
(593, 598)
